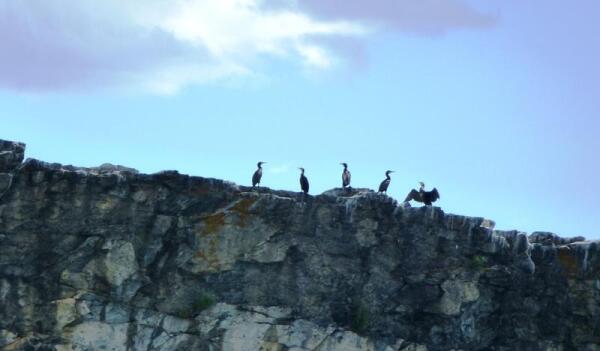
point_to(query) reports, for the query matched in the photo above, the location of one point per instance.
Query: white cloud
(229, 27)
(163, 46)
(158, 45)
(314, 56)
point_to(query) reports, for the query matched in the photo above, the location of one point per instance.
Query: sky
(493, 103)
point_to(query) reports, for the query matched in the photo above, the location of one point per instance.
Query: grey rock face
(108, 258)
(11, 155)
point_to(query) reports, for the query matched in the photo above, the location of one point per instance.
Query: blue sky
(494, 105)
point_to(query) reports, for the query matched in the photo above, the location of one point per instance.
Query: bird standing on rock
(426, 197)
(303, 182)
(345, 176)
(386, 182)
(257, 174)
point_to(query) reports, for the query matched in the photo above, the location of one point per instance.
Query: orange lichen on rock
(242, 208)
(213, 223)
(568, 261)
(208, 241)
(201, 190)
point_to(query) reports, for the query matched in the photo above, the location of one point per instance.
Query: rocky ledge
(110, 259)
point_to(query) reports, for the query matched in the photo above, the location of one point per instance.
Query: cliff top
(12, 155)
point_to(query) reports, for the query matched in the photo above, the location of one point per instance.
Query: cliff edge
(108, 258)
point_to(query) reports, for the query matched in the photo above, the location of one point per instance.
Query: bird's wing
(304, 184)
(434, 194)
(383, 186)
(303, 180)
(346, 178)
(413, 195)
(256, 177)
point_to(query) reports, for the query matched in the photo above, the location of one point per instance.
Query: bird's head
(388, 172)
(301, 169)
(260, 164)
(344, 164)
(422, 185)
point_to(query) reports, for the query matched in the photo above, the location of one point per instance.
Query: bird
(257, 174)
(346, 177)
(386, 182)
(303, 181)
(426, 197)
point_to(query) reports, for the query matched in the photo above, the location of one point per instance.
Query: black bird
(386, 182)
(345, 176)
(303, 181)
(257, 175)
(426, 197)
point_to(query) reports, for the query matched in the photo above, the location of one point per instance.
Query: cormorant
(303, 181)
(345, 176)
(257, 175)
(426, 197)
(386, 182)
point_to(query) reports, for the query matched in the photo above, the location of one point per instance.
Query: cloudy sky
(494, 103)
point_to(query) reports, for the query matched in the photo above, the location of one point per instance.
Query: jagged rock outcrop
(110, 259)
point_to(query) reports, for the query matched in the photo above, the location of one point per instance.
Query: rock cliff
(107, 258)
